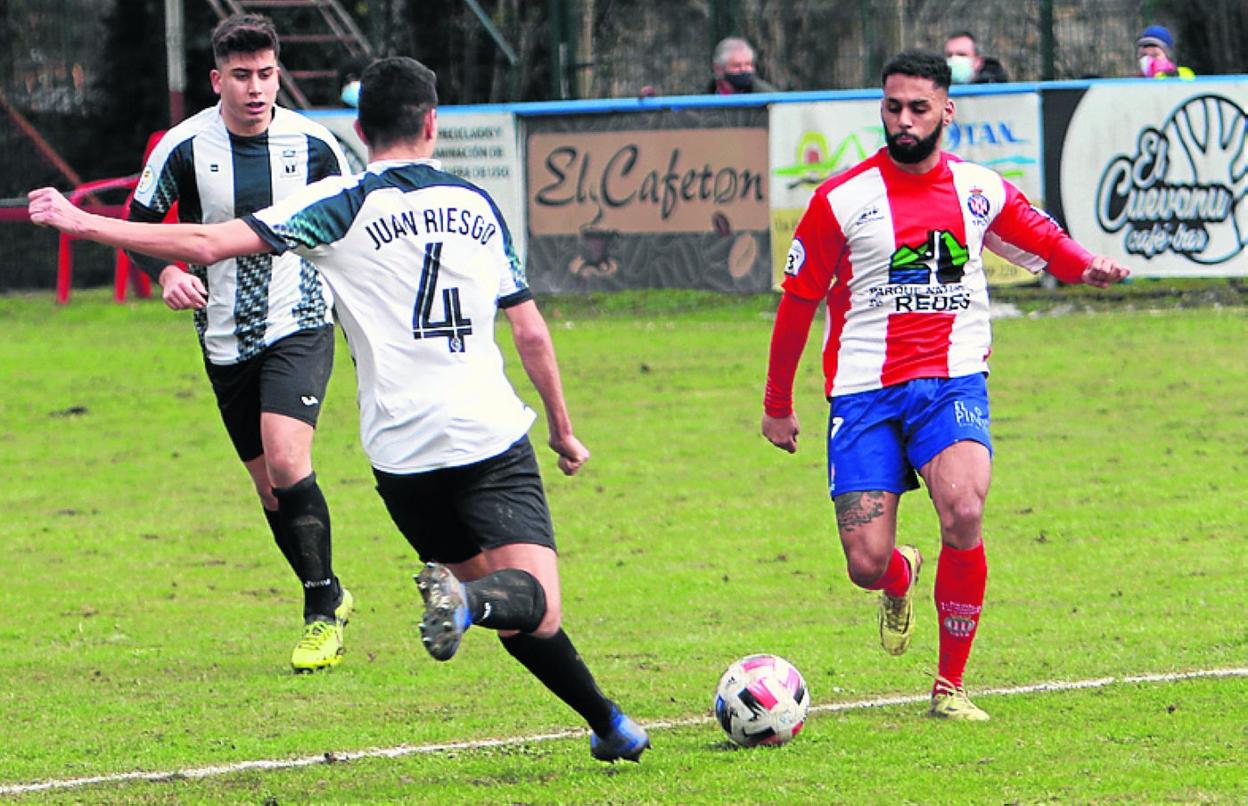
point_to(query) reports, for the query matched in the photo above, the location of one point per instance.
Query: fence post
(723, 20)
(1048, 45)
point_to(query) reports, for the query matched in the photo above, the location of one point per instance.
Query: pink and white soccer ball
(762, 699)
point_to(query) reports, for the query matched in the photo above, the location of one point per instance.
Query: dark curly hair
(919, 64)
(243, 33)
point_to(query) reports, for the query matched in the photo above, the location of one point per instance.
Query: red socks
(960, 580)
(896, 579)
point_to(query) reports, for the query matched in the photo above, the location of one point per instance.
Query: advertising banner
(1153, 173)
(481, 147)
(666, 199)
(811, 142)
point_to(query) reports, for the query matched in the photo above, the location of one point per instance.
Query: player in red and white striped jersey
(893, 246)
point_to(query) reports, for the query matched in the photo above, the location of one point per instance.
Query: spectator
(733, 64)
(1154, 50)
(968, 65)
(349, 80)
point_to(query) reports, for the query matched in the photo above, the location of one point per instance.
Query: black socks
(303, 535)
(556, 663)
(509, 599)
(287, 550)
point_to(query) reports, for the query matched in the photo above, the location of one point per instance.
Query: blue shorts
(877, 439)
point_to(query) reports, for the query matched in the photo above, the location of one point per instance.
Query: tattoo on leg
(858, 509)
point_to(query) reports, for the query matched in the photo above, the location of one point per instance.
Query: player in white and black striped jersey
(421, 261)
(264, 321)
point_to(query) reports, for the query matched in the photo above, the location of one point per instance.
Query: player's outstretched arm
(537, 353)
(192, 243)
(1103, 272)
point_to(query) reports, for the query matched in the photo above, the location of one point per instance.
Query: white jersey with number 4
(419, 261)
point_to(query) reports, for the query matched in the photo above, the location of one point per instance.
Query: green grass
(150, 618)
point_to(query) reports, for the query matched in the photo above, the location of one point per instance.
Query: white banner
(811, 142)
(1154, 174)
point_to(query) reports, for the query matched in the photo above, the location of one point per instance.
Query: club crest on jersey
(290, 162)
(978, 204)
(796, 258)
(146, 180)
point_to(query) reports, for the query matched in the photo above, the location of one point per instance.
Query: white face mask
(351, 94)
(962, 67)
(1146, 65)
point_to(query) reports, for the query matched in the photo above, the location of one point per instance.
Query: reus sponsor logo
(938, 261)
(926, 277)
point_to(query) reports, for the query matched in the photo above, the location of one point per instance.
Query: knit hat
(1157, 35)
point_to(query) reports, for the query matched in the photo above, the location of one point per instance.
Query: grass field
(149, 618)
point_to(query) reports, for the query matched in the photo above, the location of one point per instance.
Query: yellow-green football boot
(897, 612)
(321, 645)
(950, 702)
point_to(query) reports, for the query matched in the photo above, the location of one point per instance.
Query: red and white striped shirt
(898, 258)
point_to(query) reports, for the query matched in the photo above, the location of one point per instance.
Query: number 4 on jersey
(453, 326)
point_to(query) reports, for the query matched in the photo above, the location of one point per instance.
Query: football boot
(446, 610)
(897, 612)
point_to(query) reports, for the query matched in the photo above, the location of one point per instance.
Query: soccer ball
(761, 699)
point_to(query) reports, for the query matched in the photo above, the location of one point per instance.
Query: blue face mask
(351, 94)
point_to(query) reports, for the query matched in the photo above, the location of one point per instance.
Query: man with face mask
(893, 246)
(733, 65)
(967, 66)
(349, 80)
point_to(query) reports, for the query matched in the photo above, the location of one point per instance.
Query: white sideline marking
(481, 744)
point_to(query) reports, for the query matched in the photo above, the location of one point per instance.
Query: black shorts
(451, 514)
(288, 378)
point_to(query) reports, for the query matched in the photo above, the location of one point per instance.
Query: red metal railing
(123, 271)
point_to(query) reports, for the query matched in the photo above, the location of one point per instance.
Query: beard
(916, 152)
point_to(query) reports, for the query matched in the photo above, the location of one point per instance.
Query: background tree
(1209, 34)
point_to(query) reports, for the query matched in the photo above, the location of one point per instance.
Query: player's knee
(865, 567)
(287, 468)
(546, 608)
(516, 600)
(962, 515)
(551, 621)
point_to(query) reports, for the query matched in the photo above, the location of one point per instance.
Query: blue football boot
(627, 740)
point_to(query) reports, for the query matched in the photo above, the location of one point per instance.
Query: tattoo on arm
(858, 509)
